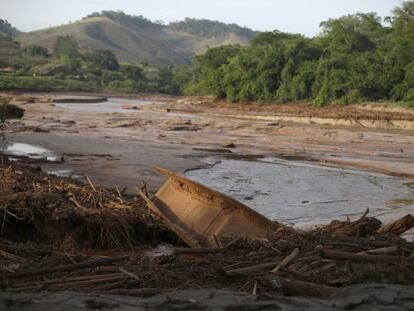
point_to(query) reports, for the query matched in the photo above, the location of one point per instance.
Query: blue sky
(299, 16)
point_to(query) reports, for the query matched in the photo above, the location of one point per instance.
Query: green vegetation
(356, 58)
(33, 68)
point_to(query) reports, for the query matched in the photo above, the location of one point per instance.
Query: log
(285, 262)
(249, 269)
(12, 256)
(325, 253)
(65, 268)
(382, 251)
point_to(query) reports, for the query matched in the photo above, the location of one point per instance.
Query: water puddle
(112, 105)
(26, 150)
(304, 195)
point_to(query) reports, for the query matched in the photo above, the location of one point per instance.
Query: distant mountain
(135, 39)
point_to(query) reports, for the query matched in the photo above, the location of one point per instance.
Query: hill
(135, 39)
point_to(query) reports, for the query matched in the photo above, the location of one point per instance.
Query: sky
(295, 16)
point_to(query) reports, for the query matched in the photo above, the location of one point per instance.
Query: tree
(207, 70)
(103, 59)
(36, 51)
(66, 46)
(133, 72)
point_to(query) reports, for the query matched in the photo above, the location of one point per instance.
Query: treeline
(7, 30)
(125, 19)
(207, 28)
(66, 68)
(355, 58)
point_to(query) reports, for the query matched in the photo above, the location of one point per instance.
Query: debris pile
(58, 234)
(36, 207)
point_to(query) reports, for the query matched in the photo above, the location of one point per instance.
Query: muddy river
(303, 194)
(292, 192)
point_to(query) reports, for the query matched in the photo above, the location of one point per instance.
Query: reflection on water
(302, 194)
(26, 150)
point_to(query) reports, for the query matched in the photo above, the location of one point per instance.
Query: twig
(361, 219)
(254, 292)
(285, 262)
(129, 274)
(119, 194)
(90, 183)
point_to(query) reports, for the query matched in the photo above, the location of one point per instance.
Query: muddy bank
(361, 297)
(109, 161)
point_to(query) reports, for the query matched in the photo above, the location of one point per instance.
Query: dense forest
(355, 58)
(359, 57)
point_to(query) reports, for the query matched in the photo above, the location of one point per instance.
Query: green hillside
(134, 39)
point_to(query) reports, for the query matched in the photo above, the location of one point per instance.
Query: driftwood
(325, 253)
(364, 226)
(66, 268)
(382, 251)
(399, 226)
(69, 281)
(285, 262)
(250, 269)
